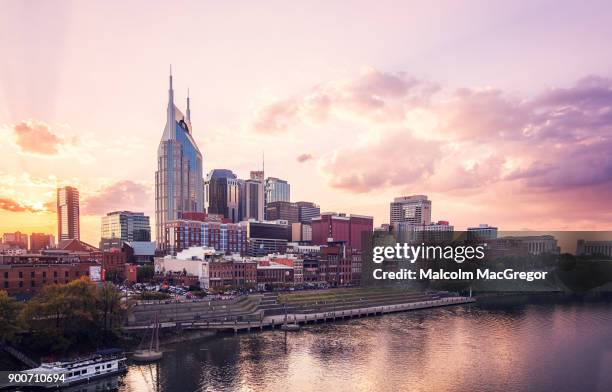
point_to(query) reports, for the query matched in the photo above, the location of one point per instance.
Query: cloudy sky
(501, 112)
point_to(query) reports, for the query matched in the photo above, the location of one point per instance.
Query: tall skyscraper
(277, 190)
(126, 226)
(222, 192)
(415, 210)
(253, 198)
(68, 223)
(178, 180)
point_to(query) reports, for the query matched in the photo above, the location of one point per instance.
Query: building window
(20, 274)
(66, 274)
(32, 283)
(6, 284)
(21, 283)
(32, 274)
(6, 275)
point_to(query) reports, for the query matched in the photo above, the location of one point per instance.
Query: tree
(9, 314)
(145, 273)
(109, 309)
(78, 313)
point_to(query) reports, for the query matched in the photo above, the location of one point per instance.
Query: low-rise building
(594, 248)
(193, 261)
(271, 274)
(27, 273)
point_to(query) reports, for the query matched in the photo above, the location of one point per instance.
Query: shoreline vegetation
(63, 319)
(76, 318)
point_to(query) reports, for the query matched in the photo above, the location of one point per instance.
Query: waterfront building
(236, 272)
(178, 180)
(335, 265)
(192, 261)
(68, 218)
(271, 275)
(40, 241)
(307, 211)
(333, 227)
(125, 226)
(277, 190)
(28, 273)
(414, 209)
(290, 260)
(594, 248)
(481, 232)
(222, 191)
(282, 210)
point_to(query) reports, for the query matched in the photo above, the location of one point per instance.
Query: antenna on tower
(170, 76)
(188, 109)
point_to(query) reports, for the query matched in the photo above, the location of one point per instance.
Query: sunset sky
(501, 112)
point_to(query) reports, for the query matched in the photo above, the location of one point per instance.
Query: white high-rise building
(179, 184)
(414, 209)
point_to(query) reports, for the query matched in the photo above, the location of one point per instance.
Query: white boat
(152, 353)
(101, 364)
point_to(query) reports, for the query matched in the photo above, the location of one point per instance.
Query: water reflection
(562, 347)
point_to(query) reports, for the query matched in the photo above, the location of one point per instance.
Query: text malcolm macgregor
(459, 254)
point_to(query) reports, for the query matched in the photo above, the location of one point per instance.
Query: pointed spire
(170, 117)
(170, 90)
(188, 109)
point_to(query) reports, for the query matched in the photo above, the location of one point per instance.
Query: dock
(309, 316)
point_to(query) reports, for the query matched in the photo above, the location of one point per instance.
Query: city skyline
(516, 144)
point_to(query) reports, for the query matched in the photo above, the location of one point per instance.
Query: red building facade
(341, 228)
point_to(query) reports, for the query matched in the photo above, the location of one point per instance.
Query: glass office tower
(178, 180)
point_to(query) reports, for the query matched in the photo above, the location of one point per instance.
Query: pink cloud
(397, 159)
(15, 206)
(36, 137)
(374, 96)
(122, 195)
(554, 146)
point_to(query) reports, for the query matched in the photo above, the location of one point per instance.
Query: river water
(548, 346)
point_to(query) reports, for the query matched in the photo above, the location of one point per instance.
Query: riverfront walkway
(326, 315)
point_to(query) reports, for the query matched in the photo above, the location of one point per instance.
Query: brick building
(224, 237)
(341, 228)
(26, 274)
